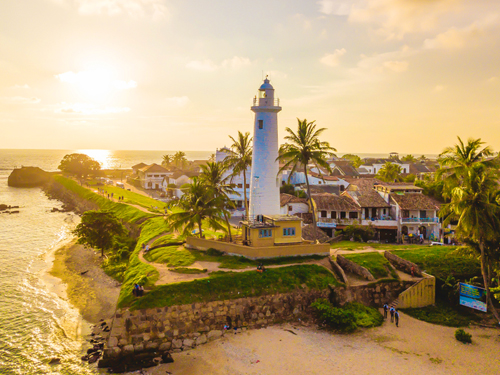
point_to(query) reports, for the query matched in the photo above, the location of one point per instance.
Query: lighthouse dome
(266, 85)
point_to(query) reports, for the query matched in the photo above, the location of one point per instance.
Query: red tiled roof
(287, 198)
(415, 201)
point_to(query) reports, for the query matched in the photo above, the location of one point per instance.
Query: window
(353, 215)
(263, 233)
(423, 214)
(240, 186)
(333, 214)
(342, 215)
(290, 208)
(288, 231)
(248, 186)
(385, 211)
(342, 188)
(323, 213)
(261, 124)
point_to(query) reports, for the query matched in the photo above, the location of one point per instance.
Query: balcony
(381, 222)
(266, 102)
(420, 220)
(326, 222)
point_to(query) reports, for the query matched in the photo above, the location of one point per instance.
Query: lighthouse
(264, 183)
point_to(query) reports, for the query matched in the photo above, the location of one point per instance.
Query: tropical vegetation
(79, 165)
(389, 172)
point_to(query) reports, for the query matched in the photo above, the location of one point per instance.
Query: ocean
(36, 324)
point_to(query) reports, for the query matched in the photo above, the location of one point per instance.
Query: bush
(463, 336)
(335, 317)
(359, 233)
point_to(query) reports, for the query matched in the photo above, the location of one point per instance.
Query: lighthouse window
(261, 124)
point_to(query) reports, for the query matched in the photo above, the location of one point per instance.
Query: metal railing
(337, 221)
(420, 220)
(266, 102)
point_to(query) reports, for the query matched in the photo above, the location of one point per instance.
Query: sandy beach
(415, 347)
(88, 288)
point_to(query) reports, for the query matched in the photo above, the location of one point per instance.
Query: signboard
(326, 225)
(473, 297)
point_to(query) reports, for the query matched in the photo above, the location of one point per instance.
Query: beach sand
(415, 347)
(94, 293)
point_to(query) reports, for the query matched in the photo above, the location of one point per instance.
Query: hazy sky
(380, 75)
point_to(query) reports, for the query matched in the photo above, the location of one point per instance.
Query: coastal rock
(176, 343)
(128, 350)
(165, 346)
(212, 335)
(3, 207)
(28, 177)
(201, 340)
(55, 361)
(113, 341)
(188, 343)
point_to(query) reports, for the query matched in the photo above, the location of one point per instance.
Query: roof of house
(416, 168)
(323, 176)
(330, 189)
(415, 201)
(344, 168)
(332, 202)
(189, 174)
(139, 166)
(368, 198)
(153, 168)
(287, 198)
(362, 184)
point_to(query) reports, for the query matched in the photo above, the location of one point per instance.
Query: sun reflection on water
(102, 156)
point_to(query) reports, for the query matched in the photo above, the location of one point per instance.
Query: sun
(102, 156)
(96, 83)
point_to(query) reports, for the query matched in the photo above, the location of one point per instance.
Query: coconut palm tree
(389, 172)
(167, 159)
(240, 159)
(215, 176)
(409, 158)
(179, 159)
(457, 160)
(474, 203)
(198, 204)
(304, 148)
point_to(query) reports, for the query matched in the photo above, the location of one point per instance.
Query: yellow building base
(255, 252)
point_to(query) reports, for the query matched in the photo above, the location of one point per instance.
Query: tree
(409, 158)
(215, 176)
(290, 189)
(354, 160)
(98, 230)
(456, 161)
(179, 159)
(167, 160)
(80, 165)
(211, 158)
(196, 205)
(474, 203)
(240, 159)
(304, 148)
(389, 172)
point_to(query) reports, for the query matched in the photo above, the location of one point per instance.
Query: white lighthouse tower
(265, 184)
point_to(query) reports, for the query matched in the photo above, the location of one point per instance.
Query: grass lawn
(231, 285)
(188, 270)
(444, 314)
(165, 240)
(351, 245)
(131, 197)
(442, 261)
(373, 262)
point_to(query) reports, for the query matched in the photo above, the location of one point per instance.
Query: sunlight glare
(102, 156)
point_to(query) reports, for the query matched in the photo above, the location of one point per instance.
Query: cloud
(177, 101)
(205, 65)
(155, 9)
(396, 66)
(455, 38)
(334, 7)
(95, 77)
(395, 18)
(302, 21)
(233, 63)
(88, 109)
(333, 59)
(21, 100)
(236, 62)
(25, 86)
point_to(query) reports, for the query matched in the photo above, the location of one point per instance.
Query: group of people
(145, 248)
(110, 195)
(261, 268)
(394, 313)
(138, 290)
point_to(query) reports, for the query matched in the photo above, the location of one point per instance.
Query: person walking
(396, 317)
(386, 308)
(392, 311)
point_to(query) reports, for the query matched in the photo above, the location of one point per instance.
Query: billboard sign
(473, 297)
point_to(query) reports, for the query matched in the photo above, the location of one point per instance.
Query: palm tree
(240, 159)
(167, 159)
(211, 158)
(456, 161)
(409, 158)
(215, 177)
(474, 203)
(355, 160)
(179, 159)
(304, 148)
(196, 205)
(389, 172)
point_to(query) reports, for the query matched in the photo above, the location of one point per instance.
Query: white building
(373, 166)
(238, 180)
(151, 176)
(265, 182)
(291, 205)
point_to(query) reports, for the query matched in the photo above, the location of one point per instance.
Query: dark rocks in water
(55, 361)
(94, 357)
(14, 212)
(3, 207)
(85, 358)
(28, 177)
(167, 357)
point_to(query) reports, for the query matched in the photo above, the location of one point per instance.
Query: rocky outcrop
(355, 268)
(71, 201)
(5, 209)
(403, 264)
(338, 271)
(28, 177)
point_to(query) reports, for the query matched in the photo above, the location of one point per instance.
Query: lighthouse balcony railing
(266, 102)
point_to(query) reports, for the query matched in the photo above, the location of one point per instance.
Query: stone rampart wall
(374, 294)
(339, 272)
(355, 268)
(402, 264)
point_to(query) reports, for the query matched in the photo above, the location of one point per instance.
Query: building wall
(296, 208)
(421, 294)
(259, 252)
(255, 240)
(280, 238)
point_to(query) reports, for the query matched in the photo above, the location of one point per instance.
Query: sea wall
(355, 268)
(137, 334)
(374, 294)
(71, 200)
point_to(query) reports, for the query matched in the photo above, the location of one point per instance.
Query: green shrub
(359, 233)
(463, 336)
(214, 253)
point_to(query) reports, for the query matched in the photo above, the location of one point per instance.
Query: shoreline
(83, 282)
